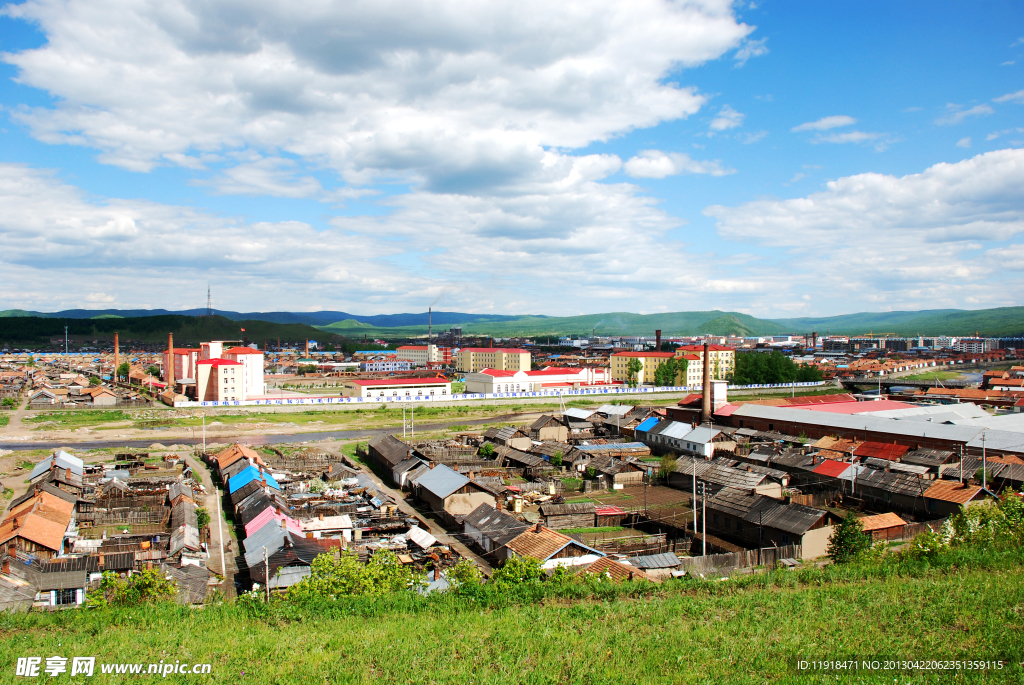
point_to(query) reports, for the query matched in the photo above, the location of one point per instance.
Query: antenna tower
(209, 301)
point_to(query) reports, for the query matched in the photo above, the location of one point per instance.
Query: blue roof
(612, 446)
(647, 424)
(246, 476)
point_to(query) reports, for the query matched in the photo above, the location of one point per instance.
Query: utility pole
(66, 348)
(220, 529)
(703, 518)
(693, 500)
(984, 464)
(204, 432)
(403, 420)
(266, 573)
(412, 414)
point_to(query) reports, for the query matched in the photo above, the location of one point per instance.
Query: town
(691, 460)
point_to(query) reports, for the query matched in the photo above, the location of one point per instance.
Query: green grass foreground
(747, 630)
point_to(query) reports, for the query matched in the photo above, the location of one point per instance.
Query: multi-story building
(252, 363)
(420, 355)
(185, 359)
(501, 358)
(974, 345)
(649, 363)
(723, 359)
(220, 380)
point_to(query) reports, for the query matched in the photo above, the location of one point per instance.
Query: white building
(419, 355)
(398, 387)
(220, 380)
(496, 380)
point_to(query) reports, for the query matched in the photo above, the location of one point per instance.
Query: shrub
(202, 518)
(518, 570)
(848, 540)
(487, 450)
(139, 587)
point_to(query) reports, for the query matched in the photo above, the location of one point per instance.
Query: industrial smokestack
(170, 361)
(307, 349)
(117, 355)
(657, 340)
(430, 323)
(705, 405)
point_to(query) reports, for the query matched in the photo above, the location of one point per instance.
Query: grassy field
(746, 630)
(931, 375)
(787, 393)
(75, 418)
(4, 419)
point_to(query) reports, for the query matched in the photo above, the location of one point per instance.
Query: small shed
(884, 526)
(561, 516)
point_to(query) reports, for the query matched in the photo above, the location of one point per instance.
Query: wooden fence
(907, 532)
(723, 564)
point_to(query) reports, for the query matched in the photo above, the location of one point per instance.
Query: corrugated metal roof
(791, 518)
(582, 414)
(61, 459)
(567, 509)
(613, 409)
(880, 521)
(702, 434)
(908, 429)
(249, 474)
(664, 560)
(677, 430)
(647, 424)
(441, 480)
(421, 537)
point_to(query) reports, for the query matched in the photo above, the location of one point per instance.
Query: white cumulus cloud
(726, 118)
(899, 239)
(658, 164)
(825, 123)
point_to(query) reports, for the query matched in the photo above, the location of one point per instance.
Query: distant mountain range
(1004, 321)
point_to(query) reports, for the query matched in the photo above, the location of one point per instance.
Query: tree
(668, 464)
(202, 518)
(307, 368)
(665, 374)
(10, 402)
(556, 458)
(94, 381)
(848, 540)
(153, 370)
(123, 371)
(633, 367)
(682, 367)
(754, 368)
(487, 450)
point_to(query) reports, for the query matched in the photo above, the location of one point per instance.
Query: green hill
(1002, 321)
(613, 323)
(151, 329)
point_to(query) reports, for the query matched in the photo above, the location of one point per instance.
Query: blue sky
(779, 159)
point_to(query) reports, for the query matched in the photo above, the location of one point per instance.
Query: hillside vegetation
(36, 330)
(1004, 321)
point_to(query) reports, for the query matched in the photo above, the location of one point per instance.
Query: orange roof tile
(881, 521)
(615, 570)
(538, 544)
(42, 519)
(952, 491)
(232, 454)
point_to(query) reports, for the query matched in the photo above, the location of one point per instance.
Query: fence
(717, 564)
(483, 396)
(907, 532)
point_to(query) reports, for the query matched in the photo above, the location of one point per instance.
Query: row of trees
(753, 368)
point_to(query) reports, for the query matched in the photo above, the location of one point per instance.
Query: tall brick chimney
(705, 405)
(307, 349)
(170, 362)
(657, 340)
(117, 355)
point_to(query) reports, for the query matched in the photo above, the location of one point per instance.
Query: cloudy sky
(774, 158)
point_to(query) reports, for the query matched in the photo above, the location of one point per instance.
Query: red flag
(243, 330)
